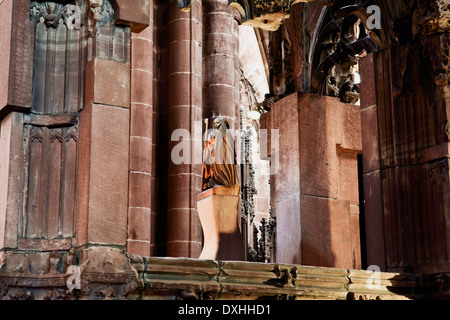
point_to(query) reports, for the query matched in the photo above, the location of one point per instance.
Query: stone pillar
(10, 172)
(141, 141)
(184, 235)
(373, 198)
(104, 140)
(314, 192)
(285, 184)
(221, 62)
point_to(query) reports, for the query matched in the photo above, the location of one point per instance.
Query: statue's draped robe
(219, 166)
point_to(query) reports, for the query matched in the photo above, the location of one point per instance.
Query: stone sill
(180, 278)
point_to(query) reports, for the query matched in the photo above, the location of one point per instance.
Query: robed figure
(219, 164)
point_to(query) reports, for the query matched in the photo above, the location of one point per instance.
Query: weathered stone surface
(136, 13)
(207, 279)
(6, 16)
(316, 186)
(103, 175)
(21, 53)
(108, 82)
(285, 184)
(10, 172)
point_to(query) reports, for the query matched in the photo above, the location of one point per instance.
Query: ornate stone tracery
(341, 41)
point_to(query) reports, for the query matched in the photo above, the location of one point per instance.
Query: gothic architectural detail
(432, 18)
(106, 40)
(341, 41)
(280, 63)
(53, 13)
(431, 24)
(439, 172)
(354, 171)
(266, 241)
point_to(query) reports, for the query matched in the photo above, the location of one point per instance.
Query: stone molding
(179, 279)
(105, 273)
(108, 273)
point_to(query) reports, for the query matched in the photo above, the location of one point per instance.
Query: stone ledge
(110, 273)
(179, 278)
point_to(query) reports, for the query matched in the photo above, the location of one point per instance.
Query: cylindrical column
(184, 234)
(221, 43)
(141, 128)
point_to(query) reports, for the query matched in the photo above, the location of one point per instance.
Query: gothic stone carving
(52, 14)
(342, 39)
(431, 23)
(432, 17)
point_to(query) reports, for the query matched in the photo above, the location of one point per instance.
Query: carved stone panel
(48, 174)
(58, 58)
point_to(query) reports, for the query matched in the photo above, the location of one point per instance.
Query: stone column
(141, 141)
(373, 198)
(314, 192)
(184, 233)
(221, 62)
(103, 175)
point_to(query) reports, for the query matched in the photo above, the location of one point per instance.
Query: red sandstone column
(184, 233)
(373, 198)
(141, 140)
(108, 181)
(221, 44)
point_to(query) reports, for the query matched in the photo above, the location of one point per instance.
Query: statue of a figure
(219, 165)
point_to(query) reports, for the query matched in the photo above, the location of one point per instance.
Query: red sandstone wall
(315, 192)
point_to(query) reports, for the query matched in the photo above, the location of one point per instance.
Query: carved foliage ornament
(71, 14)
(52, 14)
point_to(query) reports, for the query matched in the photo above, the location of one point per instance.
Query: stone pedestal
(218, 212)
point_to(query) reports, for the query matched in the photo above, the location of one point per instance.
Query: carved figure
(219, 165)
